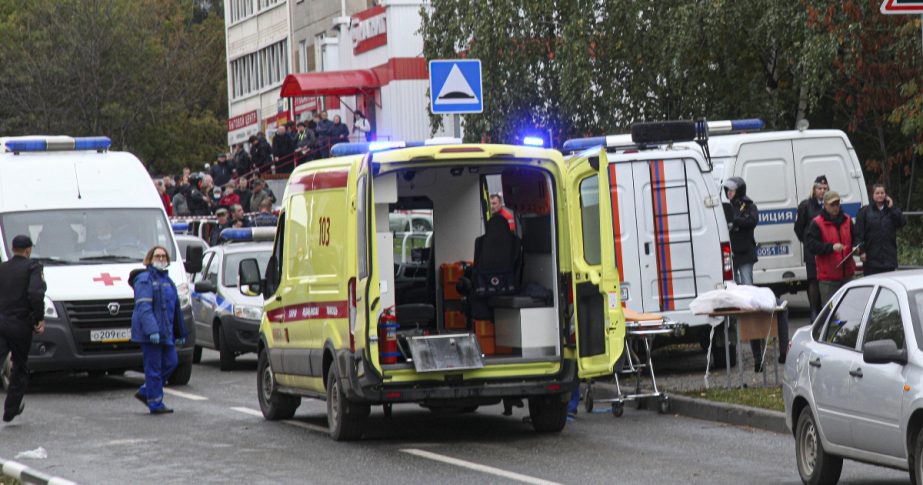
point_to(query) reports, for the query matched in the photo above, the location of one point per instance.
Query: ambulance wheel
(344, 419)
(6, 372)
(181, 375)
(273, 404)
(225, 355)
(618, 410)
(197, 354)
(548, 413)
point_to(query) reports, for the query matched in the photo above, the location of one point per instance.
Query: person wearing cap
(876, 232)
(22, 312)
(829, 237)
(222, 218)
(808, 209)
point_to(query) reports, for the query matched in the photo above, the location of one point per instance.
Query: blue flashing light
(579, 144)
(92, 143)
(179, 227)
(237, 234)
(752, 124)
(377, 146)
(533, 141)
(27, 145)
(346, 149)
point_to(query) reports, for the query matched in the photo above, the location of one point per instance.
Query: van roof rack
(664, 132)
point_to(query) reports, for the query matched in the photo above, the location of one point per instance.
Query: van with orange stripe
(668, 234)
(361, 313)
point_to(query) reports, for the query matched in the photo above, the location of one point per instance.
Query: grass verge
(758, 397)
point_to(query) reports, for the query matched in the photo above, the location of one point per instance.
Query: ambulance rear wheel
(273, 404)
(344, 419)
(548, 413)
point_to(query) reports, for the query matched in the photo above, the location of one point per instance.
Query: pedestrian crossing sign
(455, 86)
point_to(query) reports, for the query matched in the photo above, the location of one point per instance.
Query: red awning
(332, 83)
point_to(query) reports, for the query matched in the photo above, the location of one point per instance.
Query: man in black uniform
(22, 310)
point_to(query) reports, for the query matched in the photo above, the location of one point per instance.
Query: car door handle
(856, 373)
(815, 362)
(647, 248)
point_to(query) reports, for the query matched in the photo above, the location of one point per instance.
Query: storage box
(454, 320)
(451, 273)
(534, 330)
(755, 326)
(484, 328)
(488, 345)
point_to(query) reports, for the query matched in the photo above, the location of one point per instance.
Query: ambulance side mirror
(193, 261)
(249, 281)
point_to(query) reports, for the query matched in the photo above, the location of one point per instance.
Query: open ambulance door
(364, 290)
(600, 322)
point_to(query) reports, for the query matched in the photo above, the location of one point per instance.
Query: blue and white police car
(225, 319)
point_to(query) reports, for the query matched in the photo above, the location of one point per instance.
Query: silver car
(853, 385)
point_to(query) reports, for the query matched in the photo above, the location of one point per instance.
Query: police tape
(28, 475)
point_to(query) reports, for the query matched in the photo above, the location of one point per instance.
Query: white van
(671, 237)
(779, 168)
(92, 215)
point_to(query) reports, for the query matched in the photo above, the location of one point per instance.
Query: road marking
(312, 427)
(300, 424)
(184, 395)
(477, 467)
(251, 412)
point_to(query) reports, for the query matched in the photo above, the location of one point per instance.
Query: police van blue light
(57, 143)
(247, 234)
(180, 227)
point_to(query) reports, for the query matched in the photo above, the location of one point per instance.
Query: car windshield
(232, 263)
(88, 236)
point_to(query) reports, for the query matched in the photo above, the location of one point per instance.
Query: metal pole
(727, 349)
(456, 121)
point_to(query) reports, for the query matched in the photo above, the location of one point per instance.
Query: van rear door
(600, 322)
(829, 156)
(778, 248)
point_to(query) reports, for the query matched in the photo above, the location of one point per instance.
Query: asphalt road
(95, 432)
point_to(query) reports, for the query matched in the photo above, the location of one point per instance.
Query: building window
(258, 70)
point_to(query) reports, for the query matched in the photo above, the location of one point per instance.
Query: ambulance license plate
(111, 335)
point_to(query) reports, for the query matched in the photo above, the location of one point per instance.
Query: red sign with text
(244, 120)
(369, 29)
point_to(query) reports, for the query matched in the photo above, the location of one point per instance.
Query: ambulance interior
(429, 222)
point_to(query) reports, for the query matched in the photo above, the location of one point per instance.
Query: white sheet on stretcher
(743, 297)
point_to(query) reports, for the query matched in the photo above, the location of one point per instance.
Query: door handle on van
(594, 277)
(856, 373)
(815, 362)
(647, 248)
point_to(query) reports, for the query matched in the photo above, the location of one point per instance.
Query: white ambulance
(92, 215)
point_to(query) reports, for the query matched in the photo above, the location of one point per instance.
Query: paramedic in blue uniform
(22, 312)
(157, 324)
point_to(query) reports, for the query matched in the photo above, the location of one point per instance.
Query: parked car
(853, 385)
(227, 320)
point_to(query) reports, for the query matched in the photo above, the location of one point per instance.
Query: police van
(93, 215)
(669, 237)
(497, 315)
(225, 319)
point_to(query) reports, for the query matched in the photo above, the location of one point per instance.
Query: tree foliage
(150, 74)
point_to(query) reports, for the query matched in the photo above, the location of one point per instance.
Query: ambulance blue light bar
(346, 149)
(533, 141)
(247, 234)
(57, 143)
(179, 227)
(612, 141)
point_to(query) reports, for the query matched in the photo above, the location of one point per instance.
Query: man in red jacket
(829, 238)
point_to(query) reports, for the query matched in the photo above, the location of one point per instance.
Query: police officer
(22, 310)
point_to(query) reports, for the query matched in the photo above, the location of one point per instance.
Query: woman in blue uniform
(157, 324)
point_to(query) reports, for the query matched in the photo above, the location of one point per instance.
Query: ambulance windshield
(89, 236)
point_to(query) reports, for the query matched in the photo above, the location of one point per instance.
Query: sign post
(455, 87)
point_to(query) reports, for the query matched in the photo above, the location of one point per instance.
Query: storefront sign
(304, 104)
(369, 30)
(241, 127)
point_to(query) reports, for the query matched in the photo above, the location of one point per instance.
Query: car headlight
(50, 311)
(247, 312)
(185, 297)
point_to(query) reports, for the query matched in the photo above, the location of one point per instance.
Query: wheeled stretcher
(640, 331)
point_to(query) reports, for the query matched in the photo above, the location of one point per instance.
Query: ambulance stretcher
(640, 330)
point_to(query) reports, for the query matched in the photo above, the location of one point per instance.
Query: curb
(728, 413)
(28, 475)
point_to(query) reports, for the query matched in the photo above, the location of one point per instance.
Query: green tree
(150, 74)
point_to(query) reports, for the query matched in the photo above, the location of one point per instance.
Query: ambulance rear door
(600, 322)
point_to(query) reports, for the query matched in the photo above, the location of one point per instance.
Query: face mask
(161, 265)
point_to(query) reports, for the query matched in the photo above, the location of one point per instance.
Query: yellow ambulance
(485, 299)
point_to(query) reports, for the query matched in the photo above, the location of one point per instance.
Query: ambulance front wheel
(274, 405)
